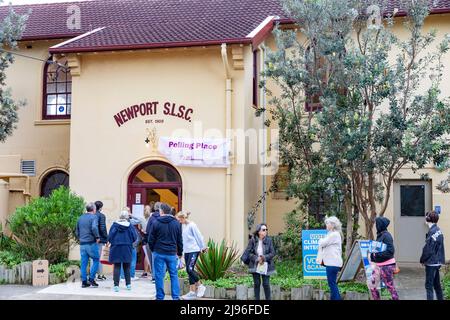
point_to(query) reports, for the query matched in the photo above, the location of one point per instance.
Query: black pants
(191, 260)
(126, 271)
(266, 285)
(433, 281)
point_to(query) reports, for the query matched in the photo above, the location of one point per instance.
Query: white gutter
(263, 57)
(228, 106)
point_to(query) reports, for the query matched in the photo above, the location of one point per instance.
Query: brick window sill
(52, 122)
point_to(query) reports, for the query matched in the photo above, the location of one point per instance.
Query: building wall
(46, 142)
(103, 154)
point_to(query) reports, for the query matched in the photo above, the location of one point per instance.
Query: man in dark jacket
(103, 235)
(155, 215)
(89, 237)
(433, 256)
(166, 243)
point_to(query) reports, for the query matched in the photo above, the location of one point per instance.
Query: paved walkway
(410, 282)
(142, 289)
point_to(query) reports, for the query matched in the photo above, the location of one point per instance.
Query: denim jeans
(257, 286)
(132, 266)
(332, 273)
(161, 261)
(433, 281)
(100, 266)
(89, 251)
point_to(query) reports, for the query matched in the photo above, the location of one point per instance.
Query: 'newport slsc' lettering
(150, 109)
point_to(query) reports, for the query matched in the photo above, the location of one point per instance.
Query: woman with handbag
(193, 245)
(259, 258)
(330, 254)
(122, 235)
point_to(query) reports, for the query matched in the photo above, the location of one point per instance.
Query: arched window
(57, 102)
(53, 180)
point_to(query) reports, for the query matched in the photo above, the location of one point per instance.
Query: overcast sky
(6, 2)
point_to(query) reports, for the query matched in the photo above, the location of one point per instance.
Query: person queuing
(384, 260)
(155, 215)
(136, 223)
(103, 232)
(433, 256)
(121, 237)
(166, 243)
(193, 245)
(260, 253)
(147, 214)
(330, 254)
(87, 233)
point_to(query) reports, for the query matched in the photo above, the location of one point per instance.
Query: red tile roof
(133, 24)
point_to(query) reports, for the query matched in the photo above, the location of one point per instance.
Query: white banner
(207, 153)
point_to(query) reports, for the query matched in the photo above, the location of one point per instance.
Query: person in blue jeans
(165, 240)
(87, 234)
(330, 254)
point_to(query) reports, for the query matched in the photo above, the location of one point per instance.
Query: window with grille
(28, 167)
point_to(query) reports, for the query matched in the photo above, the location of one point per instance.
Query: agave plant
(213, 264)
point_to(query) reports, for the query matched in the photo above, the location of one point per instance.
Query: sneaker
(128, 286)
(85, 284)
(93, 283)
(153, 281)
(190, 296)
(201, 291)
(144, 275)
(134, 279)
(122, 280)
(116, 288)
(101, 277)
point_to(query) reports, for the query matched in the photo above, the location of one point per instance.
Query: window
(156, 173)
(52, 181)
(412, 201)
(57, 102)
(312, 95)
(281, 183)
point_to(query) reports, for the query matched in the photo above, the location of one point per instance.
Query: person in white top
(193, 245)
(330, 254)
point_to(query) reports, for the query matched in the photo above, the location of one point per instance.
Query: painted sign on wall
(208, 153)
(145, 109)
(310, 247)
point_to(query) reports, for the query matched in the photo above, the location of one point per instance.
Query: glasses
(263, 229)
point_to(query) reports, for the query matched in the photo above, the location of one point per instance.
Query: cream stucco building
(139, 71)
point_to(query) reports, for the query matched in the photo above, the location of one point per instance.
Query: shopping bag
(104, 257)
(262, 268)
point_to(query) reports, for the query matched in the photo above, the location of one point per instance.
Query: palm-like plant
(213, 264)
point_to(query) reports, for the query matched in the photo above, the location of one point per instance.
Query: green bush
(45, 227)
(6, 243)
(213, 264)
(288, 244)
(11, 258)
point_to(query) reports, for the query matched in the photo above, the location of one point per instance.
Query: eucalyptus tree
(373, 99)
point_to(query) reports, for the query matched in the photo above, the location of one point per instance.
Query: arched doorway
(155, 181)
(53, 180)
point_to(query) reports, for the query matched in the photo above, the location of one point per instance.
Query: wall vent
(28, 167)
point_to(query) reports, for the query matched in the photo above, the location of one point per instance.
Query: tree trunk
(349, 229)
(369, 229)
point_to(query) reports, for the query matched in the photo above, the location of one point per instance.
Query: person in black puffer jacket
(385, 261)
(433, 256)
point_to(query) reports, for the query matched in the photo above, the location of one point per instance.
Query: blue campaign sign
(310, 247)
